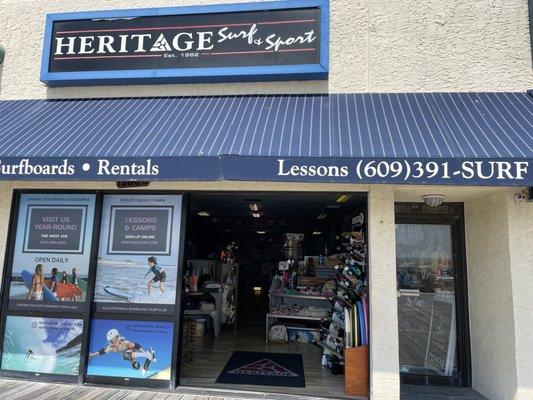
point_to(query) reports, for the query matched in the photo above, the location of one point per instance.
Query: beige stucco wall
(376, 45)
(499, 239)
(491, 302)
(385, 377)
(520, 218)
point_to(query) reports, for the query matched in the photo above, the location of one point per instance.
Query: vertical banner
(42, 345)
(51, 258)
(137, 268)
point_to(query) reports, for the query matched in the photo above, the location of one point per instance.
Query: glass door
(427, 283)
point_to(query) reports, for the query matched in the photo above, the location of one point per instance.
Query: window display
(131, 349)
(138, 255)
(42, 345)
(52, 252)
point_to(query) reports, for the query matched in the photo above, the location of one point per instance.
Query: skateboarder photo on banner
(159, 274)
(130, 351)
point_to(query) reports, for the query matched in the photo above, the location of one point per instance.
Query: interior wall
(490, 291)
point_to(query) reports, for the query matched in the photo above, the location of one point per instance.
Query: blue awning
(245, 137)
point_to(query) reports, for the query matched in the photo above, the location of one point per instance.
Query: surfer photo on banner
(159, 274)
(75, 277)
(130, 351)
(53, 281)
(36, 287)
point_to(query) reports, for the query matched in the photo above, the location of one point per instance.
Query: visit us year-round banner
(52, 252)
(138, 256)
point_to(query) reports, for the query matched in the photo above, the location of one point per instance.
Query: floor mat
(264, 369)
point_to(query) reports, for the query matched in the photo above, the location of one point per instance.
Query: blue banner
(412, 171)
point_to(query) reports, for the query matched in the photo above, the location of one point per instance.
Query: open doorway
(275, 293)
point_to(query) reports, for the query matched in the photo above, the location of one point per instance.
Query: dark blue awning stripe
(395, 125)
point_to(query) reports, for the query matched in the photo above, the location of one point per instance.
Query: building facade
(436, 49)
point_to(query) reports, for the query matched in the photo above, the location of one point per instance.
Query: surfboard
(81, 283)
(354, 327)
(361, 323)
(47, 294)
(365, 312)
(347, 328)
(121, 294)
(65, 290)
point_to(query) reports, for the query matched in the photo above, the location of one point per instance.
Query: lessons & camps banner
(138, 254)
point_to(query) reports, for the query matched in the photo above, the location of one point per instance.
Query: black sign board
(55, 229)
(182, 41)
(140, 230)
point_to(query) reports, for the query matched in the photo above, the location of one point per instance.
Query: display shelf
(299, 296)
(301, 328)
(289, 316)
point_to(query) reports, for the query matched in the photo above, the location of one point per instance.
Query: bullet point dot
(86, 167)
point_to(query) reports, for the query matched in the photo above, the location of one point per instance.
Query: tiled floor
(412, 392)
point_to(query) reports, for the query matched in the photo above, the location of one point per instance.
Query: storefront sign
(238, 42)
(411, 171)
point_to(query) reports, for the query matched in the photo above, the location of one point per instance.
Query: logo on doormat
(264, 367)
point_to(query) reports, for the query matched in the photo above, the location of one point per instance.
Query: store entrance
(276, 293)
(432, 316)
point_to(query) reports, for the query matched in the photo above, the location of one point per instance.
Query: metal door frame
(447, 214)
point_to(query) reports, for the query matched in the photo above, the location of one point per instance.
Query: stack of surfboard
(346, 325)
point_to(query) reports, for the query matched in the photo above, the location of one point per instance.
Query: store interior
(275, 295)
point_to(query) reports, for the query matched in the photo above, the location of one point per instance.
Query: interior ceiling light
(204, 214)
(317, 233)
(256, 214)
(433, 200)
(261, 232)
(322, 216)
(342, 198)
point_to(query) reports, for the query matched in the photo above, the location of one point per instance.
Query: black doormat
(264, 369)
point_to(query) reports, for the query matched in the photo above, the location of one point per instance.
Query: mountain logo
(264, 367)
